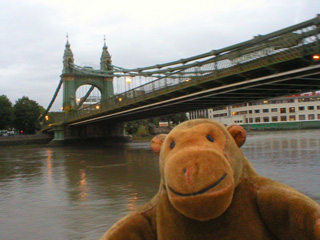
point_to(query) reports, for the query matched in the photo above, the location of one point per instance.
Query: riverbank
(24, 140)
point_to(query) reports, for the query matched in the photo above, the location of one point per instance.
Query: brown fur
(210, 191)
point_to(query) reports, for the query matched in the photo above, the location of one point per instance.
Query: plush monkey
(209, 191)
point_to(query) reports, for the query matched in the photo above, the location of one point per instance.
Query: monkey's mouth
(201, 191)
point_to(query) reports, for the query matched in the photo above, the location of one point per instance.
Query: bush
(142, 131)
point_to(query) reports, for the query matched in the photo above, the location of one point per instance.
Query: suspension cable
(52, 100)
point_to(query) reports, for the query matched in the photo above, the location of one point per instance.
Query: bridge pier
(58, 132)
(97, 133)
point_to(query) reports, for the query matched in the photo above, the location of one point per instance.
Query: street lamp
(128, 81)
(316, 57)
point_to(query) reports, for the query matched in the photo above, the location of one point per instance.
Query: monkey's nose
(190, 172)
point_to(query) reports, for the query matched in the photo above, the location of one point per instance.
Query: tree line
(22, 116)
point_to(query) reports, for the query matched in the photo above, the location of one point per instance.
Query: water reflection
(133, 200)
(49, 165)
(105, 184)
(289, 157)
(78, 193)
(82, 185)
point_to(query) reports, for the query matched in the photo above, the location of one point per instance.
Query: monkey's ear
(238, 133)
(156, 143)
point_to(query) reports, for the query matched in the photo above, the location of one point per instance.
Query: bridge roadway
(199, 97)
(273, 65)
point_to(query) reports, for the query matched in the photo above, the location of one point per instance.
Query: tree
(135, 127)
(177, 118)
(6, 112)
(142, 131)
(27, 113)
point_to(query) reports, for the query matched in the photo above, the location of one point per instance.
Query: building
(291, 112)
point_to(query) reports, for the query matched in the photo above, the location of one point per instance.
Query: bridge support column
(58, 134)
(94, 133)
(98, 130)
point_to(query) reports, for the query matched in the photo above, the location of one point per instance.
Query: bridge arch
(87, 94)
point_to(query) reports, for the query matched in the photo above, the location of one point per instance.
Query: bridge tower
(72, 79)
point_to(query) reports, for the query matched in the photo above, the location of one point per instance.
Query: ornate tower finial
(105, 60)
(104, 41)
(67, 56)
(67, 36)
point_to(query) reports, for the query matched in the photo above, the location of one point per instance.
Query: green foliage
(143, 127)
(27, 113)
(6, 113)
(176, 118)
(133, 127)
(142, 131)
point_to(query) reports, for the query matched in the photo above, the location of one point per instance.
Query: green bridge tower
(72, 79)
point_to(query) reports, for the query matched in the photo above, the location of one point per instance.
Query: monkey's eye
(210, 138)
(172, 144)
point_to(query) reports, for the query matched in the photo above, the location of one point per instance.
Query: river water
(78, 193)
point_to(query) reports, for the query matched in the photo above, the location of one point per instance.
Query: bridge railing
(288, 44)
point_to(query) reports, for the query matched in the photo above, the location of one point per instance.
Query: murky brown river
(78, 193)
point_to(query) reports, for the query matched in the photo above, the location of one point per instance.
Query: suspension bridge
(281, 63)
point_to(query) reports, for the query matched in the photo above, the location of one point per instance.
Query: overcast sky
(138, 33)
